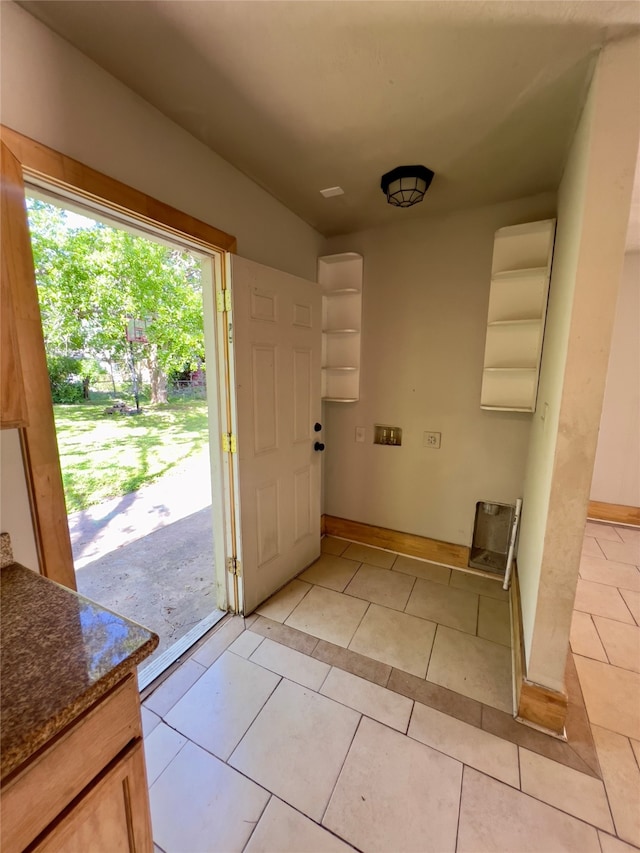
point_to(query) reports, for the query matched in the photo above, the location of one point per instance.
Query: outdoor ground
(148, 553)
(106, 456)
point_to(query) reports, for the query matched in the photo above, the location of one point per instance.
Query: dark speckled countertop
(59, 653)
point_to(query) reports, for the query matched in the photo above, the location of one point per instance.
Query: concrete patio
(149, 555)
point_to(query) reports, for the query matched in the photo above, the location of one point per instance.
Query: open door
(277, 321)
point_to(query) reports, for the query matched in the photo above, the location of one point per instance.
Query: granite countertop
(59, 653)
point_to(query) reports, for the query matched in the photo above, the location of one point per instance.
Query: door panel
(277, 345)
(265, 397)
(302, 408)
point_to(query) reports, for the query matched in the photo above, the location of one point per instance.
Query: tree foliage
(92, 280)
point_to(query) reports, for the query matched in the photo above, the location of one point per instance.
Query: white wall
(15, 512)
(425, 300)
(593, 211)
(53, 93)
(616, 474)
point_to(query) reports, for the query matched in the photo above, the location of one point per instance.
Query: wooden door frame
(38, 438)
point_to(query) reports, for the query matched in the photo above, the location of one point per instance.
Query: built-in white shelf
(514, 322)
(517, 309)
(340, 277)
(517, 369)
(519, 272)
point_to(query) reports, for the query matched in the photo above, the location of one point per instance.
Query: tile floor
(298, 730)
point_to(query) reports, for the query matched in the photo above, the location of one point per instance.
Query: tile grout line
(344, 761)
(366, 610)
(635, 755)
(613, 665)
(477, 632)
(608, 799)
(164, 769)
(327, 674)
(604, 784)
(598, 635)
(462, 775)
(537, 799)
(344, 704)
(413, 586)
(625, 604)
(413, 707)
(595, 539)
(433, 643)
(255, 826)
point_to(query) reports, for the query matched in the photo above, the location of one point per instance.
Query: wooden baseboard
(542, 706)
(393, 540)
(323, 525)
(534, 703)
(616, 513)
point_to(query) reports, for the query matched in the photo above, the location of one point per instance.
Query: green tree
(93, 280)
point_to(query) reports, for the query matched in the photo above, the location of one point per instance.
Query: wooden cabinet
(87, 790)
(108, 817)
(341, 279)
(517, 308)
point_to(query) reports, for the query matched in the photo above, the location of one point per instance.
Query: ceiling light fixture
(405, 186)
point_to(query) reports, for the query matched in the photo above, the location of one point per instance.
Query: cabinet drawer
(34, 798)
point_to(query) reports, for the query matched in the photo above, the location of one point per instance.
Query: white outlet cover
(431, 439)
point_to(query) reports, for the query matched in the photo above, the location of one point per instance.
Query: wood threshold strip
(402, 543)
(616, 513)
(52, 166)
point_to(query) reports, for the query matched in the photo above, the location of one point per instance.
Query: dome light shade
(405, 186)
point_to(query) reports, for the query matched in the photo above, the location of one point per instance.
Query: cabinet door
(12, 399)
(112, 815)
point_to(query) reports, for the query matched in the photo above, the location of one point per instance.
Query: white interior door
(277, 321)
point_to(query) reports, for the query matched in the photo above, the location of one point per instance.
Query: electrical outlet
(431, 439)
(360, 434)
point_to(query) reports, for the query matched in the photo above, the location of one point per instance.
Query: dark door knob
(318, 446)
(317, 427)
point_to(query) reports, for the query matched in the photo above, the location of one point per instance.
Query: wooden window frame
(38, 438)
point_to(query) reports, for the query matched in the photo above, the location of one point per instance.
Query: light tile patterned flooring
(366, 707)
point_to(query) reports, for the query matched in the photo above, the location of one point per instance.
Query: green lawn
(105, 456)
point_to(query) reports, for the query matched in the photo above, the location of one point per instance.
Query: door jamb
(39, 161)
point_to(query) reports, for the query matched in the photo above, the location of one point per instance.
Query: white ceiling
(306, 95)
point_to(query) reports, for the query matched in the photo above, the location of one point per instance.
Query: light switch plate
(360, 434)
